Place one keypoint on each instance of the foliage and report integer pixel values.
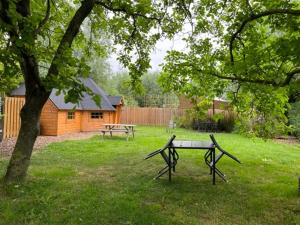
(120, 85)
(150, 93)
(244, 48)
(197, 113)
(186, 120)
(42, 33)
(226, 123)
(261, 113)
(47, 43)
(294, 117)
(105, 177)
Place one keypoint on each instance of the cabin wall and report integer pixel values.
(117, 114)
(91, 124)
(49, 119)
(66, 125)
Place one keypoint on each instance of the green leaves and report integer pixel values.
(254, 73)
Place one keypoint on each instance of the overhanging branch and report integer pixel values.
(71, 32)
(45, 19)
(289, 76)
(255, 17)
(123, 9)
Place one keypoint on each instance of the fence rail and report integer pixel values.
(149, 116)
(12, 121)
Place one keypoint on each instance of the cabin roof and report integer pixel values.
(86, 103)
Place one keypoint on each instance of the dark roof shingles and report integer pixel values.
(115, 100)
(86, 103)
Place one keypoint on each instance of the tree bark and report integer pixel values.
(35, 97)
(36, 94)
(30, 116)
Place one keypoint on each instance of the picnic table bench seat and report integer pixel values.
(114, 130)
(118, 128)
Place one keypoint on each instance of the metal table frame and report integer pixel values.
(210, 155)
(170, 155)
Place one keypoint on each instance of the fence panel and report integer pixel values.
(149, 115)
(12, 120)
(158, 116)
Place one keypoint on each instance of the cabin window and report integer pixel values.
(96, 115)
(71, 115)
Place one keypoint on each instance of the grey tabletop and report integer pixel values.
(185, 144)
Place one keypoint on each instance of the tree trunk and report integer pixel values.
(30, 116)
(36, 94)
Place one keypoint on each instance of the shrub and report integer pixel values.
(187, 120)
(226, 123)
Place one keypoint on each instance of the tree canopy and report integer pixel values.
(246, 49)
(46, 43)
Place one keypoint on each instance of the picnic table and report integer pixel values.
(111, 128)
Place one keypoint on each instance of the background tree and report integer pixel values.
(43, 41)
(246, 49)
(150, 93)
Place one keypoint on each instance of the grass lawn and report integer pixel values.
(108, 182)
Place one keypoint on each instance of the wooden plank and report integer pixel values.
(155, 116)
(12, 121)
(5, 119)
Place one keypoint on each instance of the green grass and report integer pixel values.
(108, 182)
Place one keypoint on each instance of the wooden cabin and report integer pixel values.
(59, 118)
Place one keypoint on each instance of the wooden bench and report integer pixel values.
(117, 130)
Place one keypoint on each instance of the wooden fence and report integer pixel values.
(159, 116)
(149, 116)
(12, 121)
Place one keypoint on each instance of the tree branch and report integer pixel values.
(45, 19)
(124, 10)
(257, 81)
(250, 7)
(290, 75)
(11, 28)
(255, 17)
(68, 37)
(23, 7)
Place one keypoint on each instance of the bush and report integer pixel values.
(187, 120)
(192, 118)
(294, 118)
(226, 123)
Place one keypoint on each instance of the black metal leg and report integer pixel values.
(210, 160)
(173, 161)
(213, 165)
(170, 164)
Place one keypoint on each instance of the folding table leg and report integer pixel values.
(210, 160)
(170, 164)
(214, 165)
(173, 156)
